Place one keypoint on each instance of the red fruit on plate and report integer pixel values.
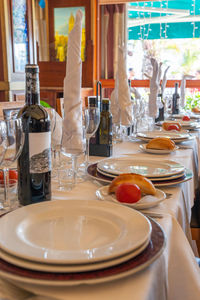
(128, 193)
(173, 127)
(13, 176)
(186, 118)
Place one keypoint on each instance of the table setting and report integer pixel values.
(85, 243)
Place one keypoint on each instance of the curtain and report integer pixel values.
(41, 32)
(112, 34)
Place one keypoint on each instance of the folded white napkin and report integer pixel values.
(154, 87)
(114, 107)
(72, 139)
(182, 88)
(123, 91)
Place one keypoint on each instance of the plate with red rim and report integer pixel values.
(20, 276)
(146, 201)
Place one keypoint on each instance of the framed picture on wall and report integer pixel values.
(61, 18)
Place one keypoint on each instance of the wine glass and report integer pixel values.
(3, 140)
(73, 145)
(93, 119)
(15, 142)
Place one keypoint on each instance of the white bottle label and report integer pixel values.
(40, 152)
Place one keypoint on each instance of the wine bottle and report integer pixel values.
(175, 100)
(105, 126)
(160, 105)
(93, 101)
(34, 163)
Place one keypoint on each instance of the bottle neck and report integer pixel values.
(105, 107)
(32, 88)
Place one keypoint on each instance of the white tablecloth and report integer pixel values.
(175, 274)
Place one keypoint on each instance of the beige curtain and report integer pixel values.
(113, 18)
(41, 31)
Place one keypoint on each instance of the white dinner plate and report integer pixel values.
(31, 265)
(157, 178)
(163, 133)
(146, 167)
(72, 231)
(147, 201)
(191, 116)
(157, 151)
(41, 282)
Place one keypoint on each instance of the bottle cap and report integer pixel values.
(93, 101)
(106, 101)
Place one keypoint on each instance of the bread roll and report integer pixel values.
(165, 125)
(196, 109)
(161, 143)
(144, 183)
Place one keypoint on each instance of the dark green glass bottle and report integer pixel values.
(105, 126)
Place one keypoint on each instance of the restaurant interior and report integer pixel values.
(113, 89)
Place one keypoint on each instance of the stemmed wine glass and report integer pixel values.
(14, 145)
(70, 147)
(92, 116)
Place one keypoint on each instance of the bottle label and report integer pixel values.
(40, 152)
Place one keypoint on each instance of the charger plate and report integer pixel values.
(72, 231)
(95, 175)
(19, 276)
(31, 265)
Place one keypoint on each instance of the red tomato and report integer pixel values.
(186, 118)
(128, 193)
(13, 176)
(173, 127)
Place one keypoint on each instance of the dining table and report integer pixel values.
(175, 274)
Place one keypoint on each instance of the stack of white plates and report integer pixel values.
(177, 137)
(161, 173)
(64, 239)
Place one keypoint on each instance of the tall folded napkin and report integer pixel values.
(123, 91)
(154, 87)
(182, 89)
(114, 107)
(72, 139)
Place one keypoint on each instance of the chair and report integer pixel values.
(195, 221)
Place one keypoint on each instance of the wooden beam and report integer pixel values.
(110, 83)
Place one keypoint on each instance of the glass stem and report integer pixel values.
(74, 168)
(87, 152)
(6, 182)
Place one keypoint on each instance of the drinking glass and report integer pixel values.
(69, 149)
(56, 136)
(3, 140)
(15, 142)
(93, 119)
